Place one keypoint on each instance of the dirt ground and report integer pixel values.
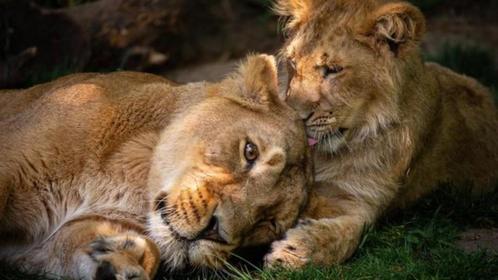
(473, 240)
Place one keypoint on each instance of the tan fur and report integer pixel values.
(390, 128)
(103, 175)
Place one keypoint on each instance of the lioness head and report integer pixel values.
(231, 171)
(348, 60)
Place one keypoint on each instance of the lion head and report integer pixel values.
(231, 171)
(348, 63)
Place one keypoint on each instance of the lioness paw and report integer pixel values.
(295, 250)
(107, 271)
(118, 257)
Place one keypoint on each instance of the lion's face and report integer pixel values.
(346, 62)
(232, 171)
(328, 87)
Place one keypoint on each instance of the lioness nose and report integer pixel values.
(211, 232)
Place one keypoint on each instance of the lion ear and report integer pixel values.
(396, 25)
(259, 77)
(298, 10)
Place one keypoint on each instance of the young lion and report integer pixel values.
(386, 128)
(102, 175)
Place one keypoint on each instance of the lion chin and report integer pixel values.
(178, 253)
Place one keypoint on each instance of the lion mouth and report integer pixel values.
(212, 233)
(312, 141)
(315, 138)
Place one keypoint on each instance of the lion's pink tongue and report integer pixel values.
(312, 142)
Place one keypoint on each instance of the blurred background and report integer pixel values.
(191, 40)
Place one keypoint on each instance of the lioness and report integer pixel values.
(386, 128)
(103, 175)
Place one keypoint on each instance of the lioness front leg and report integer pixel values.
(328, 233)
(99, 249)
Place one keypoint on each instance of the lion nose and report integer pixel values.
(212, 231)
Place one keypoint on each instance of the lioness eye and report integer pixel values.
(251, 152)
(330, 70)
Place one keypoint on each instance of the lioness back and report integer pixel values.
(84, 112)
(16, 100)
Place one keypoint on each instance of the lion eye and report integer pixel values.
(330, 70)
(251, 152)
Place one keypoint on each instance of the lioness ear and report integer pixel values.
(396, 25)
(259, 76)
(298, 10)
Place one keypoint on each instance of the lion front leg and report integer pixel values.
(328, 233)
(318, 242)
